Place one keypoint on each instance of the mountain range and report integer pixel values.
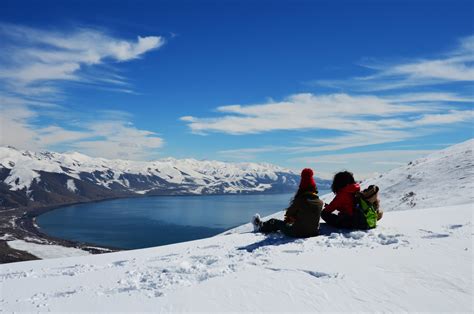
(34, 179)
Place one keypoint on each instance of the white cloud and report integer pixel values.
(457, 66)
(454, 67)
(323, 144)
(448, 69)
(358, 114)
(429, 97)
(453, 116)
(105, 134)
(352, 140)
(14, 127)
(119, 139)
(340, 112)
(39, 71)
(45, 55)
(32, 64)
(360, 122)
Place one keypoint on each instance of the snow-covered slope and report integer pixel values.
(416, 260)
(29, 178)
(442, 178)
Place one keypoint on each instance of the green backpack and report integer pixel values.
(365, 212)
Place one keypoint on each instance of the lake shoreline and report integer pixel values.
(20, 224)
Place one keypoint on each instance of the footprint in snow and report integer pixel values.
(356, 235)
(214, 246)
(120, 263)
(316, 274)
(15, 275)
(205, 259)
(433, 235)
(389, 239)
(363, 239)
(292, 251)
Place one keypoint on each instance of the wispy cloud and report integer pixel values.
(33, 65)
(119, 139)
(355, 129)
(364, 120)
(456, 66)
(35, 56)
(108, 134)
(323, 144)
(340, 112)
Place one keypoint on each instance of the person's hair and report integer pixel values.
(301, 191)
(342, 179)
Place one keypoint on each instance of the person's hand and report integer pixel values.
(289, 219)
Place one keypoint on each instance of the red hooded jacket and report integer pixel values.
(344, 200)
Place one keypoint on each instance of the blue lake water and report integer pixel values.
(151, 221)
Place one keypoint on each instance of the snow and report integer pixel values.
(23, 176)
(71, 186)
(45, 251)
(417, 260)
(25, 166)
(442, 178)
(6, 236)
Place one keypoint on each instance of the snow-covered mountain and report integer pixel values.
(445, 177)
(417, 260)
(47, 178)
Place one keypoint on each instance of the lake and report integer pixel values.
(151, 221)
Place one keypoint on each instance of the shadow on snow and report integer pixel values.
(277, 238)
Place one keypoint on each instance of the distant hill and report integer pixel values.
(445, 177)
(48, 178)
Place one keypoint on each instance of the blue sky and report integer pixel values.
(358, 85)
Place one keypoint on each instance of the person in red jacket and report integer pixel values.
(345, 188)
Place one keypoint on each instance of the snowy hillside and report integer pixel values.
(417, 260)
(29, 178)
(442, 178)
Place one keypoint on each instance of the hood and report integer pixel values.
(351, 188)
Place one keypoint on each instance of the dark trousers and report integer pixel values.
(274, 225)
(338, 221)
